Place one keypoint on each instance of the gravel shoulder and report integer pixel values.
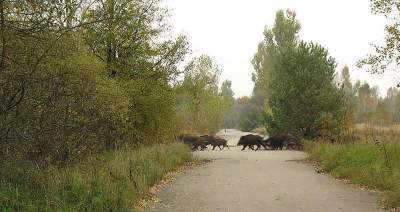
(259, 181)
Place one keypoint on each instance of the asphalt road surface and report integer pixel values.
(259, 181)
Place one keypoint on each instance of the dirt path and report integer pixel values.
(259, 181)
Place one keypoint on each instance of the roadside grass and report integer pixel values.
(371, 165)
(115, 181)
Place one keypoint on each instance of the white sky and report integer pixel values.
(230, 30)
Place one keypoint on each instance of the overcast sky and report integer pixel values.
(229, 31)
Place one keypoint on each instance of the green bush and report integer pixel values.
(114, 183)
(375, 166)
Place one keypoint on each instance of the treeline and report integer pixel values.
(81, 77)
(368, 106)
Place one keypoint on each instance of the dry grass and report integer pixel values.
(371, 134)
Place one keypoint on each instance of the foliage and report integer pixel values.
(244, 115)
(294, 82)
(131, 42)
(248, 114)
(201, 106)
(81, 77)
(114, 181)
(387, 55)
(349, 96)
(283, 33)
(304, 99)
(131, 39)
(228, 100)
(366, 164)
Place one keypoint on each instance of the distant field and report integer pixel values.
(395, 128)
(371, 133)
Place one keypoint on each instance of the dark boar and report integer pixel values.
(193, 141)
(281, 140)
(251, 141)
(199, 142)
(209, 138)
(215, 141)
(273, 143)
(220, 142)
(188, 139)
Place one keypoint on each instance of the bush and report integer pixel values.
(113, 183)
(375, 166)
(63, 119)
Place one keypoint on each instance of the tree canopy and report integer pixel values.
(387, 55)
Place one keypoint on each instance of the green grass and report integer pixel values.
(363, 164)
(113, 183)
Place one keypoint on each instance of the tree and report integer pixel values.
(346, 79)
(366, 102)
(227, 100)
(349, 96)
(130, 39)
(389, 53)
(227, 93)
(283, 33)
(200, 107)
(393, 100)
(304, 98)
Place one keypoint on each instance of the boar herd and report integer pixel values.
(277, 142)
(253, 142)
(195, 142)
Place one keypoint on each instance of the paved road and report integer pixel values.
(251, 181)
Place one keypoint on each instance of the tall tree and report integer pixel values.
(131, 40)
(228, 100)
(346, 78)
(349, 96)
(304, 99)
(366, 102)
(283, 33)
(227, 94)
(200, 106)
